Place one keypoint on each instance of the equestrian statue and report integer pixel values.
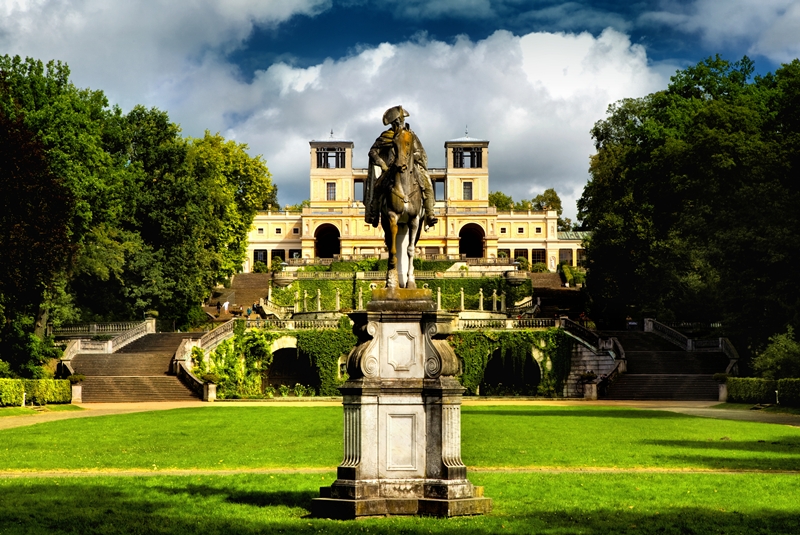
(398, 194)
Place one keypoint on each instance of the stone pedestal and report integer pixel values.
(402, 417)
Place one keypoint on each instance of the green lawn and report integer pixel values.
(30, 411)
(497, 442)
(294, 437)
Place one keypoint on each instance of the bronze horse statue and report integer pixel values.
(401, 212)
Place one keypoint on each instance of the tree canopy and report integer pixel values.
(693, 201)
(548, 200)
(108, 214)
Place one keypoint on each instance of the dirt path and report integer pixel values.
(244, 471)
(693, 408)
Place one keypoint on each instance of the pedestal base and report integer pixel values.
(349, 509)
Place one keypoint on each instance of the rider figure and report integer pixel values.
(382, 155)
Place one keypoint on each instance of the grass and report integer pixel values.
(499, 443)
(523, 503)
(219, 437)
(30, 411)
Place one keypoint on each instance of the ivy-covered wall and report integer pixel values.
(239, 364)
(476, 348)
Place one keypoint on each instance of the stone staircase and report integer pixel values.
(246, 289)
(658, 370)
(137, 372)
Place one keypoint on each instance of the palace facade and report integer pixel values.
(333, 225)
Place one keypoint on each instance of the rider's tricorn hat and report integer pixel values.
(393, 113)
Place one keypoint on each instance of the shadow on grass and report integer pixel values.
(130, 506)
(790, 445)
(580, 413)
(254, 498)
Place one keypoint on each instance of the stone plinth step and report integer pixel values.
(342, 509)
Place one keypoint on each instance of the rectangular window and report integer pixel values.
(520, 230)
(467, 157)
(503, 253)
(295, 230)
(520, 253)
(538, 230)
(331, 186)
(279, 253)
(278, 231)
(330, 158)
(565, 255)
(295, 253)
(261, 230)
(503, 230)
(438, 189)
(582, 257)
(260, 255)
(538, 256)
(467, 191)
(358, 190)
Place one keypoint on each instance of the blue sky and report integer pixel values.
(531, 76)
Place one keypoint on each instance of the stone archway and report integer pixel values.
(505, 375)
(327, 241)
(471, 241)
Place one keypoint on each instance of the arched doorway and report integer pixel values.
(326, 241)
(289, 368)
(508, 376)
(471, 241)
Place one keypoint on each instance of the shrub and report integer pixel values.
(269, 392)
(751, 390)
(11, 391)
(781, 358)
(76, 378)
(260, 267)
(299, 390)
(539, 267)
(38, 391)
(721, 378)
(210, 377)
(284, 390)
(789, 392)
(524, 265)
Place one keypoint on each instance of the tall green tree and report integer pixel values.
(692, 201)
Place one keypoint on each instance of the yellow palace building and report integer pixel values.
(333, 226)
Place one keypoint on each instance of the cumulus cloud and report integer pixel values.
(534, 96)
(766, 27)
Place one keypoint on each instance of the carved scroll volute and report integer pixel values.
(439, 356)
(363, 361)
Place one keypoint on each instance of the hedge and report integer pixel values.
(39, 391)
(789, 392)
(751, 390)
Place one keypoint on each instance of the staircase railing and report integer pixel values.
(109, 346)
(212, 339)
(506, 324)
(280, 311)
(92, 329)
(717, 345)
(579, 331)
(146, 327)
(667, 333)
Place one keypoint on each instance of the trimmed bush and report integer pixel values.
(751, 390)
(11, 392)
(39, 391)
(789, 392)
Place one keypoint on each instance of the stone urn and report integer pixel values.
(516, 278)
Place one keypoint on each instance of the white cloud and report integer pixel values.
(535, 96)
(766, 27)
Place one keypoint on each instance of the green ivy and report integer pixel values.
(475, 349)
(325, 348)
